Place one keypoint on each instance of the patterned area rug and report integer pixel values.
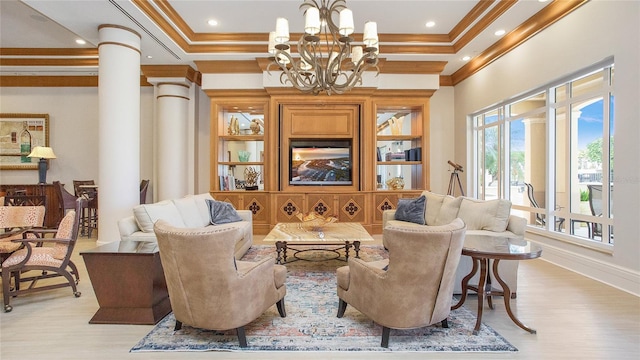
(311, 323)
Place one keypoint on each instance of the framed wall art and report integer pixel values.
(19, 134)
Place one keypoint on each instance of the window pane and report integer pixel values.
(587, 140)
(517, 161)
(587, 84)
(528, 104)
(491, 117)
(491, 159)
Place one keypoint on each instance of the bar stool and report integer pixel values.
(89, 216)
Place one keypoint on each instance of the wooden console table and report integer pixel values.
(129, 283)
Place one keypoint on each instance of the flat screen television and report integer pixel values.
(320, 162)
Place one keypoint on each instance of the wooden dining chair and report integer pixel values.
(52, 260)
(89, 216)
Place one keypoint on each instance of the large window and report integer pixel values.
(550, 152)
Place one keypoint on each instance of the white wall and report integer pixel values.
(597, 30)
(203, 134)
(73, 133)
(441, 140)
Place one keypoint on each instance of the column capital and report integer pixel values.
(118, 35)
(176, 74)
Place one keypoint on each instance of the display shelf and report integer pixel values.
(240, 129)
(399, 155)
(241, 163)
(242, 137)
(399, 162)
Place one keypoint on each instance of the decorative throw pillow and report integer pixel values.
(411, 210)
(222, 212)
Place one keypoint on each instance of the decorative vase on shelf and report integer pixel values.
(243, 155)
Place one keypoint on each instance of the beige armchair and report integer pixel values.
(414, 287)
(208, 288)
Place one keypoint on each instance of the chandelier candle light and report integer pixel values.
(333, 65)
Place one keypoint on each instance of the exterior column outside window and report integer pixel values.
(171, 146)
(535, 171)
(119, 127)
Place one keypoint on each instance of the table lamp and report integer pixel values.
(43, 153)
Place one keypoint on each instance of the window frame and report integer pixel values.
(605, 91)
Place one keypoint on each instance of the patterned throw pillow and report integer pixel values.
(222, 212)
(412, 210)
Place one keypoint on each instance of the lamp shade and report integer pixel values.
(312, 21)
(42, 152)
(346, 22)
(282, 31)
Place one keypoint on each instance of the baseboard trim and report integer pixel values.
(620, 278)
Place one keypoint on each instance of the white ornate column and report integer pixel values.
(119, 127)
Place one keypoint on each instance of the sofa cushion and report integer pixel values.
(434, 203)
(492, 215)
(437, 203)
(189, 212)
(222, 212)
(203, 207)
(448, 210)
(411, 210)
(146, 215)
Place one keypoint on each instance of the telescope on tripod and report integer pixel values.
(455, 179)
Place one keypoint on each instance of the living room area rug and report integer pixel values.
(312, 325)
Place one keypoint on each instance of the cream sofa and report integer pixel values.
(188, 212)
(490, 217)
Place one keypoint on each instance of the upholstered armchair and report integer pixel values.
(48, 257)
(208, 288)
(414, 287)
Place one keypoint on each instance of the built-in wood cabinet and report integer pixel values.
(387, 134)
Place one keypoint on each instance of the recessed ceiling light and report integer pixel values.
(430, 24)
(500, 32)
(80, 42)
(466, 58)
(149, 57)
(212, 22)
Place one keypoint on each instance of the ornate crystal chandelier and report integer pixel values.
(328, 61)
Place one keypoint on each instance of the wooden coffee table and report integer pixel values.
(129, 283)
(295, 235)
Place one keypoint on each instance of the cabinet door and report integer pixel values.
(287, 206)
(352, 208)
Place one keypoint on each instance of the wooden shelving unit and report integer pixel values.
(291, 116)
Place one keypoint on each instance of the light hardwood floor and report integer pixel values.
(576, 318)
